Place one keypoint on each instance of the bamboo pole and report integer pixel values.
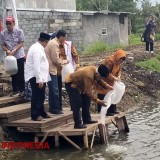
(45, 137)
(85, 139)
(67, 139)
(93, 136)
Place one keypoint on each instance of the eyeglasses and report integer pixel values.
(8, 23)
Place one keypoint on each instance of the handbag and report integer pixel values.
(152, 37)
(142, 39)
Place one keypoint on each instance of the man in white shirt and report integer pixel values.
(37, 73)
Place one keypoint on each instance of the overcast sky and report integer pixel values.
(154, 1)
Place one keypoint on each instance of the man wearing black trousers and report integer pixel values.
(37, 73)
(81, 89)
(12, 40)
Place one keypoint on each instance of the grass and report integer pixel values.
(100, 46)
(152, 64)
(135, 39)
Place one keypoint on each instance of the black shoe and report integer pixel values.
(39, 118)
(90, 122)
(48, 116)
(57, 112)
(21, 94)
(80, 126)
(110, 114)
(115, 112)
(14, 94)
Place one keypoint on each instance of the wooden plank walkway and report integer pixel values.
(27, 125)
(61, 125)
(8, 100)
(68, 130)
(15, 112)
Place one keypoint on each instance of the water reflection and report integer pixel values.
(141, 143)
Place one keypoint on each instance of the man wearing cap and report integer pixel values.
(37, 73)
(12, 40)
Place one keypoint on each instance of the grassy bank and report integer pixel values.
(100, 46)
(152, 64)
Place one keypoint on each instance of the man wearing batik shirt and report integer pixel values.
(11, 40)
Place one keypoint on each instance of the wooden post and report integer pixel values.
(71, 142)
(120, 125)
(93, 136)
(45, 137)
(102, 133)
(85, 139)
(56, 136)
(125, 124)
(36, 139)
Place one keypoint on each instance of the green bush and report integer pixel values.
(157, 36)
(135, 39)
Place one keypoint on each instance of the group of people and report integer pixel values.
(44, 62)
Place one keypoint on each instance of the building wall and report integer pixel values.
(115, 32)
(45, 4)
(81, 29)
(34, 22)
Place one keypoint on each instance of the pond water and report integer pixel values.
(141, 143)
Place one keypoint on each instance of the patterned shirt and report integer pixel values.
(12, 39)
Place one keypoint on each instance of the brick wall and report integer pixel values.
(34, 22)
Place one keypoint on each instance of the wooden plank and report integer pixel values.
(27, 122)
(15, 117)
(85, 139)
(71, 142)
(68, 130)
(8, 99)
(101, 132)
(121, 114)
(29, 130)
(44, 129)
(125, 124)
(93, 137)
(120, 124)
(16, 110)
(56, 139)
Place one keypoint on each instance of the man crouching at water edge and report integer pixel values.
(81, 88)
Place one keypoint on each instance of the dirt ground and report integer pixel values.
(141, 85)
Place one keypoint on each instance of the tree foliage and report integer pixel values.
(141, 9)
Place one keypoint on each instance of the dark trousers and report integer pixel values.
(111, 109)
(37, 100)
(60, 89)
(18, 83)
(54, 99)
(149, 46)
(77, 101)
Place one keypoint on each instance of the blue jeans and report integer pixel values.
(54, 99)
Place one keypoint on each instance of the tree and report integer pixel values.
(92, 5)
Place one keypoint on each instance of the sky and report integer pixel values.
(154, 1)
